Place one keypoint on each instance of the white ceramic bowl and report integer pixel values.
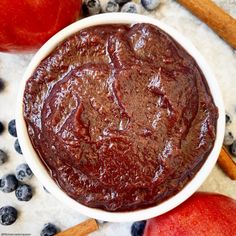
(40, 171)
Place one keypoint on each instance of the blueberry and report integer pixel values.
(110, 6)
(2, 85)
(1, 127)
(8, 183)
(228, 119)
(17, 146)
(131, 7)
(49, 230)
(228, 138)
(137, 228)
(12, 128)
(8, 215)
(92, 7)
(23, 172)
(150, 4)
(3, 157)
(23, 192)
(233, 148)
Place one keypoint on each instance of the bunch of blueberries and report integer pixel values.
(93, 7)
(16, 182)
(23, 192)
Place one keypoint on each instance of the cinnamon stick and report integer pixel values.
(227, 164)
(81, 229)
(222, 23)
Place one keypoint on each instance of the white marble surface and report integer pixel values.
(44, 207)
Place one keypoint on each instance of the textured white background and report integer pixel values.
(44, 207)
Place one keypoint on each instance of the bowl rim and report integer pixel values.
(38, 167)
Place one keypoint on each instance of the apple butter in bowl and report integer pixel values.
(121, 116)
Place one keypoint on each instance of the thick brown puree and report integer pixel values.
(121, 116)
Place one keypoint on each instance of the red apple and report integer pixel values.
(202, 214)
(26, 24)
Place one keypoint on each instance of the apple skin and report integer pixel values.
(203, 214)
(26, 24)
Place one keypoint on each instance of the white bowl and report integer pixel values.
(39, 169)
